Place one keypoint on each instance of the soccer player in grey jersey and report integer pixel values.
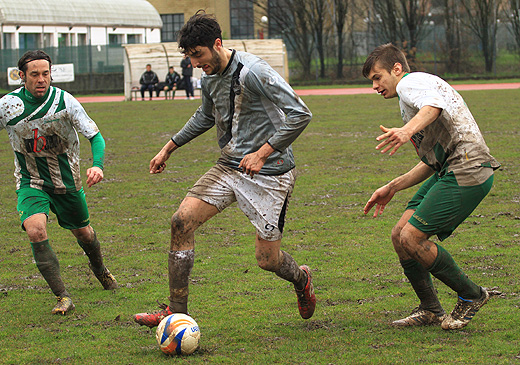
(456, 161)
(257, 116)
(42, 122)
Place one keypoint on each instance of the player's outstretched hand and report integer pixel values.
(94, 175)
(380, 198)
(157, 164)
(393, 138)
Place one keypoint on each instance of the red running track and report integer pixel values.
(305, 92)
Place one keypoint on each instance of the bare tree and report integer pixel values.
(482, 20)
(413, 15)
(453, 45)
(316, 9)
(386, 16)
(514, 16)
(340, 8)
(402, 23)
(290, 20)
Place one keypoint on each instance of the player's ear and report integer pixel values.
(22, 75)
(217, 44)
(397, 68)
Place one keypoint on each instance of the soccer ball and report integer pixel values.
(178, 334)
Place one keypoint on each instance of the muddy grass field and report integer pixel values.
(247, 315)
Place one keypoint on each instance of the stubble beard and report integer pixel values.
(216, 62)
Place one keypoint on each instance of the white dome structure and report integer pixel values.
(54, 23)
(110, 13)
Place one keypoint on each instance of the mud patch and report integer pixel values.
(318, 325)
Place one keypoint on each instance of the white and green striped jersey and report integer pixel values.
(43, 135)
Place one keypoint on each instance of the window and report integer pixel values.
(63, 40)
(242, 19)
(172, 23)
(115, 39)
(133, 38)
(48, 40)
(82, 39)
(29, 40)
(8, 40)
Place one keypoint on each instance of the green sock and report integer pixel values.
(49, 267)
(422, 284)
(446, 270)
(93, 251)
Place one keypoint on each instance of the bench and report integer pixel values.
(134, 93)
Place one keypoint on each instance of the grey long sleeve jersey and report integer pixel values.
(250, 104)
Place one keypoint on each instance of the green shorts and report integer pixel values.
(70, 208)
(441, 204)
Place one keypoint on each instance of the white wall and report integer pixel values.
(99, 35)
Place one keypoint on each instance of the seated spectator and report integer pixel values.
(148, 81)
(172, 79)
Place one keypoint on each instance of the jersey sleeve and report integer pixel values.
(419, 92)
(3, 122)
(79, 117)
(97, 145)
(202, 120)
(265, 81)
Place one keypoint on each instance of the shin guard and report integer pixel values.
(446, 270)
(180, 264)
(290, 271)
(49, 267)
(93, 251)
(422, 284)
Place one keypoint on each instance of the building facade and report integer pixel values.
(239, 19)
(27, 24)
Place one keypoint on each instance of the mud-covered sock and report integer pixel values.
(446, 270)
(290, 271)
(180, 264)
(422, 284)
(49, 267)
(93, 252)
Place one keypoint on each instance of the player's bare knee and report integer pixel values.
(179, 225)
(85, 234)
(408, 241)
(396, 234)
(36, 234)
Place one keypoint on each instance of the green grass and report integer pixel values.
(247, 315)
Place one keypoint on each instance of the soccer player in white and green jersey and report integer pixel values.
(42, 122)
(458, 169)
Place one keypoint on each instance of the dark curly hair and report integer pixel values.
(200, 30)
(32, 56)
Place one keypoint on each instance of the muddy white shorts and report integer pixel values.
(262, 198)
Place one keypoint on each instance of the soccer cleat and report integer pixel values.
(63, 306)
(464, 311)
(105, 278)
(153, 319)
(419, 317)
(306, 297)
